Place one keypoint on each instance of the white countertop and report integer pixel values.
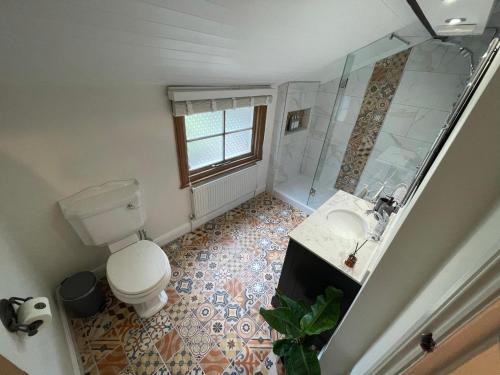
(317, 235)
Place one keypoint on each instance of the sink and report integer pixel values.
(348, 224)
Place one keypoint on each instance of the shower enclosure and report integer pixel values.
(367, 131)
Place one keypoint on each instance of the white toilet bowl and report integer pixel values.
(138, 274)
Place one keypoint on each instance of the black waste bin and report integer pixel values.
(81, 295)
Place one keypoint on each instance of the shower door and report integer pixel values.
(349, 99)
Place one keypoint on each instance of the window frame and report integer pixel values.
(225, 166)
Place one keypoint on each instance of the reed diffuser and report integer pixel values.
(352, 259)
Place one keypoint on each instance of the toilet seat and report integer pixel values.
(138, 269)
(137, 299)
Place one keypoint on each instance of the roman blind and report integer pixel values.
(191, 100)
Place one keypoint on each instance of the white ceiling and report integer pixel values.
(186, 41)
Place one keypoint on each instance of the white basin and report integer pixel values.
(348, 224)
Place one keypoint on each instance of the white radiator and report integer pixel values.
(222, 192)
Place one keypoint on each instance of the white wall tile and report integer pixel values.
(427, 124)
(330, 86)
(453, 62)
(429, 90)
(426, 57)
(399, 119)
(304, 86)
(324, 104)
(341, 133)
(319, 124)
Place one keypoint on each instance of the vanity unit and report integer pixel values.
(318, 248)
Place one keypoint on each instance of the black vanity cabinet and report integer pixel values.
(305, 276)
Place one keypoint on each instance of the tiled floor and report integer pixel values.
(222, 273)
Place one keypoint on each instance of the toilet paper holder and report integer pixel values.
(8, 315)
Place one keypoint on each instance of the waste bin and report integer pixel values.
(81, 295)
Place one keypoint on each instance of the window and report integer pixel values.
(212, 143)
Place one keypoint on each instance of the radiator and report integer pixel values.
(213, 195)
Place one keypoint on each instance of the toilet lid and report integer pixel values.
(137, 268)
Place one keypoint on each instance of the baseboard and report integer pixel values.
(75, 363)
(173, 234)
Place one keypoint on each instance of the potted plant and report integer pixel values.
(299, 323)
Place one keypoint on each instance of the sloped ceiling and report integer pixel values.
(186, 41)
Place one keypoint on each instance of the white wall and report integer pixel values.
(56, 140)
(46, 352)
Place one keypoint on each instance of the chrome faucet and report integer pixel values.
(382, 221)
(383, 208)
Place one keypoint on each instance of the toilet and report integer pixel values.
(112, 214)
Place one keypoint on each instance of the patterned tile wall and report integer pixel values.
(222, 273)
(378, 96)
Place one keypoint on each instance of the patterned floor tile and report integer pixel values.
(196, 370)
(214, 362)
(163, 371)
(234, 287)
(181, 362)
(218, 326)
(196, 298)
(246, 361)
(113, 363)
(184, 285)
(148, 363)
(158, 325)
(200, 344)
(104, 345)
(178, 311)
(172, 295)
(127, 371)
(222, 273)
(245, 327)
(233, 312)
(189, 326)
(205, 312)
(273, 365)
(219, 298)
(169, 345)
(231, 344)
(231, 370)
(87, 359)
(92, 371)
(136, 341)
(246, 299)
(254, 313)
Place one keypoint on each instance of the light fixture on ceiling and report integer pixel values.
(454, 21)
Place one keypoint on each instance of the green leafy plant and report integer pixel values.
(299, 323)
